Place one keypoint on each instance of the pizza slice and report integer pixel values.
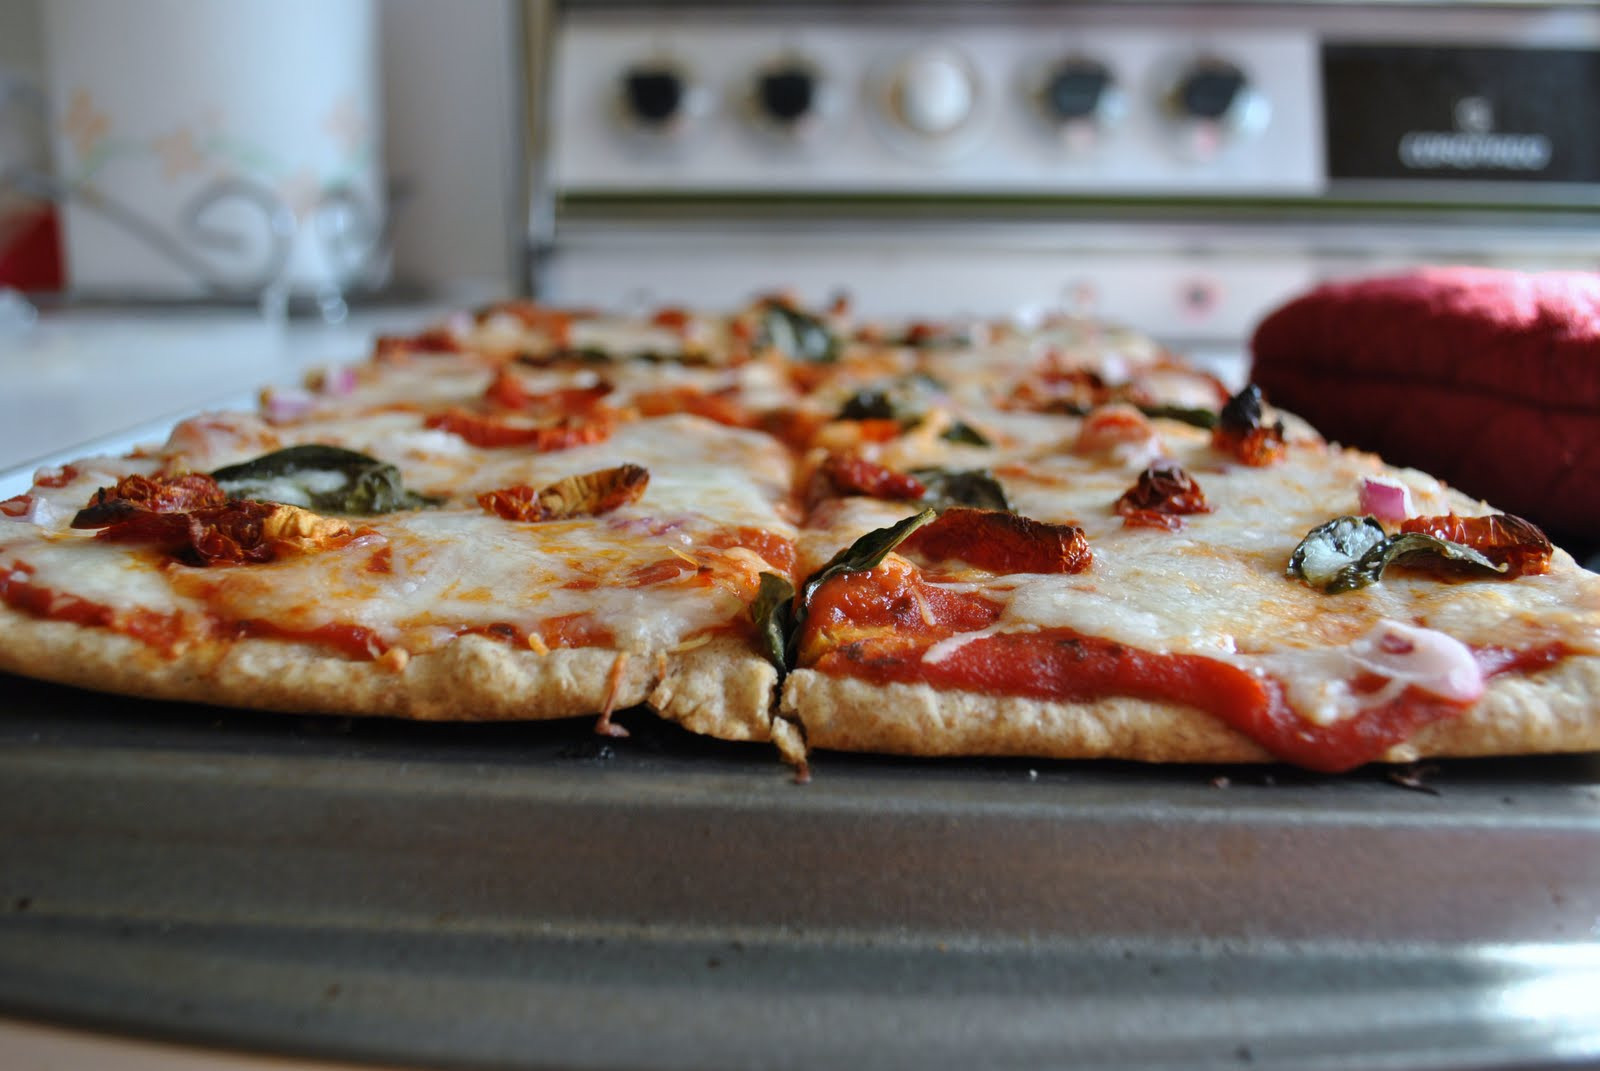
(460, 540)
(1147, 589)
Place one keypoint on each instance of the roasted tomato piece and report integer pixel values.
(507, 391)
(1243, 432)
(554, 323)
(490, 432)
(1162, 493)
(586, 495)
(1502, 538)
(150, 494)
(719, 408)
(241, 531)
(852, 474)
(398, 347)
(1113, 428)
(1002, 542)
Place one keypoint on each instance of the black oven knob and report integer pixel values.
(653, 95)
(1077, 91)
(1212, 104)
(786, 94)
(1210, 91)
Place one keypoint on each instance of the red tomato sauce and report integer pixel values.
(161, 631)
(877, 626)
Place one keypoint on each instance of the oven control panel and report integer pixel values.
(704, 103)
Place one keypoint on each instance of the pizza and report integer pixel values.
(784, 524)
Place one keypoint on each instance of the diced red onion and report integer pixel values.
(339, 381)
(1428, 660)
(286, 404)
(1386, 499)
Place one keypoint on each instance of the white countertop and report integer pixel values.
(83, 376)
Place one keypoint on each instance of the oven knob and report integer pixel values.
(1209, 90)
(786, 94)
(653, 95)
(1212, 101)
(934, 93)
(1079, 91)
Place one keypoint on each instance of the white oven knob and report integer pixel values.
(934, 93)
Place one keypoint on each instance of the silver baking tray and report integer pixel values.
(531, 896)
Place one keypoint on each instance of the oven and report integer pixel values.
(1179, 167)
(510, 896)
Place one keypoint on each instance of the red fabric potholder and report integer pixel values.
(1488, 379)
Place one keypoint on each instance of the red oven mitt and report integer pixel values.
(1488, 379)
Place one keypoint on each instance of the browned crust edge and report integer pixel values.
(1552, 711)
(720, 689)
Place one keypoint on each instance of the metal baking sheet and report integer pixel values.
(530, 896)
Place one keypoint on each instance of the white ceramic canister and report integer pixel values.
(215, 144)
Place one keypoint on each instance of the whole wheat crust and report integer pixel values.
(1545, 712)
(719, 688)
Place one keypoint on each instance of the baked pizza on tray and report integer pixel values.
(780, 524)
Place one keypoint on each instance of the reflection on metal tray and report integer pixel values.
(530, 896)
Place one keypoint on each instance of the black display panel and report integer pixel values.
(1514, 115)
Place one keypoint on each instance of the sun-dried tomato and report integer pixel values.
(392, 348)
(587, 495)
(1243, 432)
(852, 474)
(719, 408)
(507, 391)
(1002, 542)
(1159, 496)
(150, 494)
(491, 432)
(1502, 538)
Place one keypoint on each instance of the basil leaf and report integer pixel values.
(797, 335)
(1199, 418)
(1401, 548)
(865, 553)
(868, 403)
(859, 557)
(964, 433)
(1329, 549)
(773, 614)
(1349, 553)
(321, 477)
(969, 487)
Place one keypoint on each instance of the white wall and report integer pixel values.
(450, 85)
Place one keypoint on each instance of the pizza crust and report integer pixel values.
(1548, 712)
(717, 689)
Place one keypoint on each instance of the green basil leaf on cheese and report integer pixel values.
(1329, 549)
(1349, 553)
(869, 403)
(861, 556)
(321, 477)
(964, 433)
(865, 553)
(968, 487)
(1199, 418)
(773, 614)
(797, 335)
(1414, 549)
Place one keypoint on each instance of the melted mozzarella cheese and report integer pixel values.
(453, 569)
